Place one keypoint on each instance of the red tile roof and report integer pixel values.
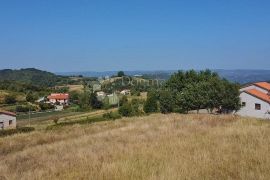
(259, 94)
(59, 96)
(7, 113)
(263, 85)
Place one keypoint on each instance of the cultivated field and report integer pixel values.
(152, 147)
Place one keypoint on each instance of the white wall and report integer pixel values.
(5, 119)
(249, 109)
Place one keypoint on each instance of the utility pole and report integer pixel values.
(29, 114)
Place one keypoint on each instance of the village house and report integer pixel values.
(7, 120)
(59, 98)
(125, 92)
(255, 100)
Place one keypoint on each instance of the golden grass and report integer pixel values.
(154, 147)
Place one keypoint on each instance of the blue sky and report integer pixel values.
(99, 35)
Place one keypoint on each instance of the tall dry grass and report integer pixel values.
(154, 147)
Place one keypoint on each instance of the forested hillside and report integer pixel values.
(31, 76)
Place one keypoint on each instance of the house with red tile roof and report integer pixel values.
(255, 99)
(7, 120)
(59, 98)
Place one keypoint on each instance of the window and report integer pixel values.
(10, 122)
(257, 106)
(243, 104)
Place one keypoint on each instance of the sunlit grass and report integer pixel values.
(152, 147)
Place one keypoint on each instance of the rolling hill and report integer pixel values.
(31, 76)
(238, 75)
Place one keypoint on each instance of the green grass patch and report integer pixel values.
(88, 120)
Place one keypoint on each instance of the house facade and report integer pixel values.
(7, 120)
(62, 99)
(255, 100)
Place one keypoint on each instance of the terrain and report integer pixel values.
(32, 76)
(237, 75)
(150, 147)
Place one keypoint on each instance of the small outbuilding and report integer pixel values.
(7, 120)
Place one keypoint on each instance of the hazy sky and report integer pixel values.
(98, 35)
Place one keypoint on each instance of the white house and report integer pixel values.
(125, 92)
(62, 99)
(255, 100)
(7, 120)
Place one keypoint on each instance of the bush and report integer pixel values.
(46, 106)
(10, 99)
(151, 104)
(126, 110)
(22, 108)
(131, 109)
(112, 115)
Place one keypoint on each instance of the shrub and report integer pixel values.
(23, 108)
(126, 110)
(10, 99)
(151, 104)
(112, 115)
(46, 106)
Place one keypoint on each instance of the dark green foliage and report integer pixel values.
(126, 110)
(112, 115)
(84, 100)
(132, 108)
(25, 108)
(62, 90)
(231, 99)
(123, 100)
(167, 102)
(10, 99)
(15, 131)
(46, 106)
(31, 76)
(151, 104)
(193, 90)
(94, 102)
(31, 97)
(74, 97)
(121, 74)
(135, 92)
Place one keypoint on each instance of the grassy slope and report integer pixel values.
(153, 147)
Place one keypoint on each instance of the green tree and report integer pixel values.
(121, 74)
(84, 100)
(10, 99)
(167, 101)
(94, 102)
(126, 110)
(151, 104)
(31, 97)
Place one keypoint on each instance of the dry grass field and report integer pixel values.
(152, 147)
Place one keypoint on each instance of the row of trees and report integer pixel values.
(191, 90)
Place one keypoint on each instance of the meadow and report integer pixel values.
(158, 146)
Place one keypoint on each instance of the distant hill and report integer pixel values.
(240, 76)
(31, 76)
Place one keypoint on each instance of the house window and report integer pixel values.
(243, 104)
(257, 106)
(10, 122)
(1, 125)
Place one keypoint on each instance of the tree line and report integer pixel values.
(191, 90)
